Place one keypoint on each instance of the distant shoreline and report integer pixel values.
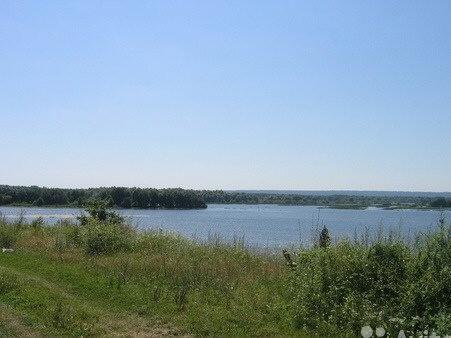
(180, 199)
(336, 207)
(374, 193)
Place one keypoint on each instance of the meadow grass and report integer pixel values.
(105, 278)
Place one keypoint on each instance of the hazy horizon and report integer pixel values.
(226, 95)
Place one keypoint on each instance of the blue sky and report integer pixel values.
(226, 94)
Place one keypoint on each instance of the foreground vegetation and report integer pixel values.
(101, 277)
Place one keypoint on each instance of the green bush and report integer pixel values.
(386, 274)
(106, 238)
(73, 235)
(99, 231)
(97, 210)
(327, 285)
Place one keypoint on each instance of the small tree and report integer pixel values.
(97, 210)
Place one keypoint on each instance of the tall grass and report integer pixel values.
(8, 236)
(340, 288)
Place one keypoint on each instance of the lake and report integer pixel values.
(259, 225)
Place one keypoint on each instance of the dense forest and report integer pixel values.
(118, 197)
(121, 197)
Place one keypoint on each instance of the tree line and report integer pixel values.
(119, 197)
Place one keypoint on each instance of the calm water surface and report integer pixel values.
(259, 225)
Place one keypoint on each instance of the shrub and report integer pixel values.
(73, 235)
(106, 238)
(101, 231)
(341, 288)
(97, 211)
(386, 274)
(327, 285)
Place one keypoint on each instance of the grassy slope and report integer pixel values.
(46, 295)
(165, 282)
